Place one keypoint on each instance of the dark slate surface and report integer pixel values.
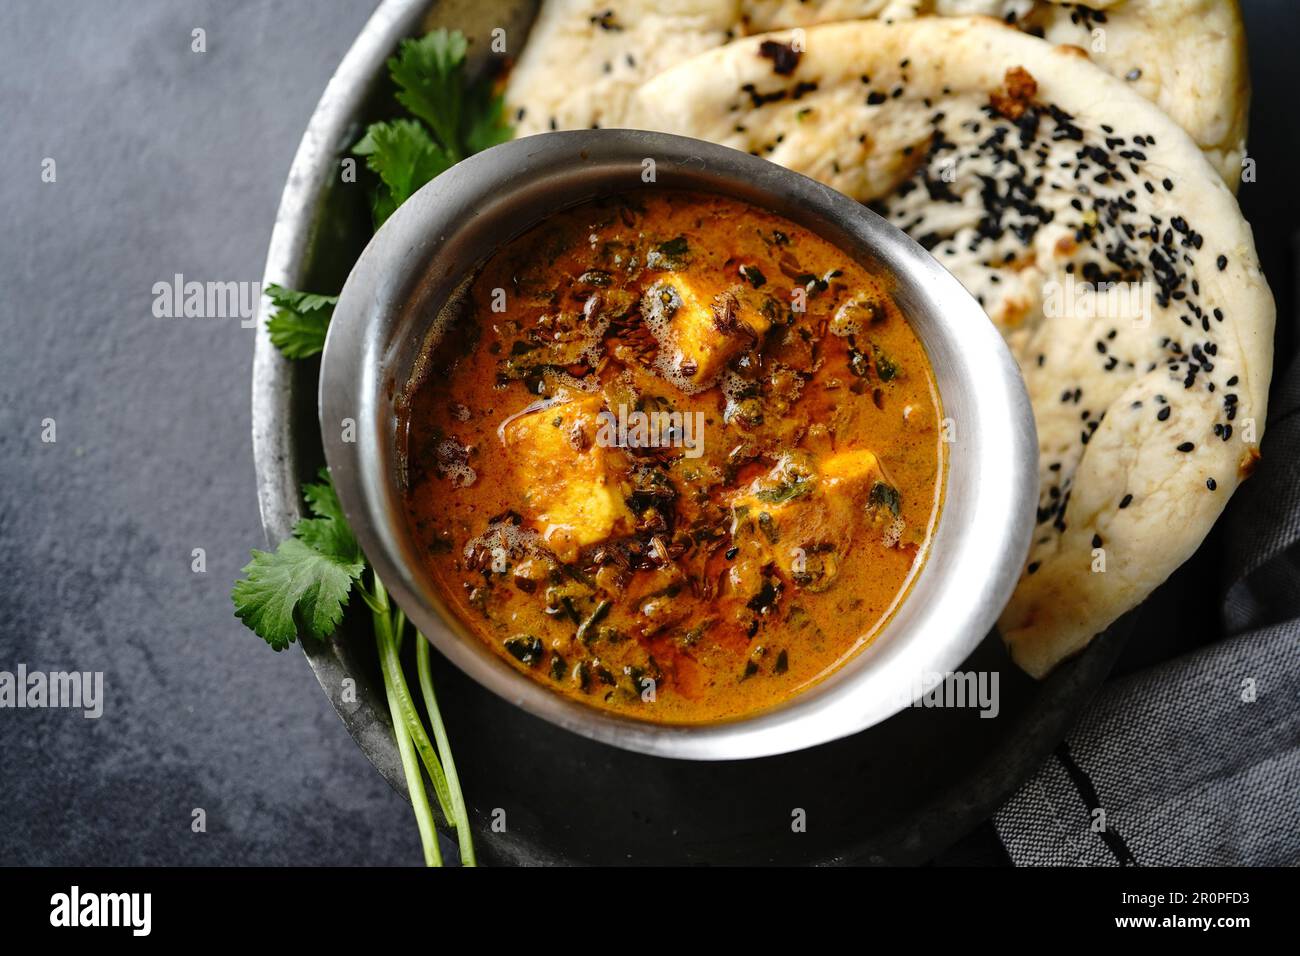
(170, 161)
(167, 161)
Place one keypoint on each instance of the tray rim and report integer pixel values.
(274, 377)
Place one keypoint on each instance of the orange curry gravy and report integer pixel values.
(675, 456)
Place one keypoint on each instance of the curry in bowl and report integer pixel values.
(673, 455)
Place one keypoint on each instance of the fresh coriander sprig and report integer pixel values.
(459, 119)
(430, 76)
(304, 585)
(430, 83)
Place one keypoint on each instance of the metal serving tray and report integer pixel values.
(898, 793)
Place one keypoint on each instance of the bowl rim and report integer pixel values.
(978, 547)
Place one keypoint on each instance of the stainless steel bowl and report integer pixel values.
(414, 265)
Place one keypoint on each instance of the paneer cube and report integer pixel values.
(849, 475)
(571, 489)
(796, 484)
(699, 329)
(800, 516)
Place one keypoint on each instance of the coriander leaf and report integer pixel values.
(298, 327)
(405, 157)
(430, 83)
(485, 125)
(303, 302)
(328, 533)
(298, 336)
(293, 585)
(322, 499)
(306, 581)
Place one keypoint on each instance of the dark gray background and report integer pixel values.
(171, 161)
(168, 161)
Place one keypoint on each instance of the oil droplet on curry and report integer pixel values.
(674, 456)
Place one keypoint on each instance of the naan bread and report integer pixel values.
(584, 57)
(1027, 169)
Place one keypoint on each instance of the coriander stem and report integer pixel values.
(399, 627)
(459, 811)
(410, 764)
(395, 682)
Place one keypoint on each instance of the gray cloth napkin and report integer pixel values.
(1195, 761)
